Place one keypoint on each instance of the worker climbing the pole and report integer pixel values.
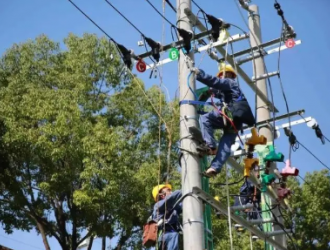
(230, 115)
(166, 212)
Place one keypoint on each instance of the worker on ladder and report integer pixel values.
(166, 212)
(232, 112)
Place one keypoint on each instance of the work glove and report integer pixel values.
(195, 70)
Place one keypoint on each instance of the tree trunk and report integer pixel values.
(43, 235)
(122, 240)
(90, 244)
(104, 241)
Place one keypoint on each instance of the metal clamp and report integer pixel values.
(190, 221)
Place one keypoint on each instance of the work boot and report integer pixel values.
(206, 150)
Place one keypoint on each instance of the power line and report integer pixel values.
(125, 18)
(153, 6)
(198, 6)
(90, 19)
(172, 7)
(124, 53)
(326, 138)
(313, 155)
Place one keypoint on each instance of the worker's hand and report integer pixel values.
(195, 70)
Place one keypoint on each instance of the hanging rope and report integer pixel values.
(229, 210)
(251, 245)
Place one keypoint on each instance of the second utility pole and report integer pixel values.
(263, 112)
(193, 224)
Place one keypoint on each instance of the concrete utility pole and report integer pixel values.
(263, 113)
(193, 224)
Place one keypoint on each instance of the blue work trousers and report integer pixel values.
(171, 241)
(209, 122)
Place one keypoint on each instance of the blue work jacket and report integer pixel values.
(172, 213)
(228, 91)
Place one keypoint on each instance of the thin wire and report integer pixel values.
(253, 58)
(198, 6)
(163, 16)
(229, 210)
(172, 7)
(21, 242)
(282, 227)
(326, 138)
(125, 18)
(90, 19)
(251, 245)
(159, 160)
(281, 84)
(313, 155)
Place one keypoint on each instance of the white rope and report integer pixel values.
(251, 244)
(229, 210)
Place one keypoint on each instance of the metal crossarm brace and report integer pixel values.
(260, 221)
(223, 209)
(264, 76)
(285, 125)
(230, 60)
(278, 118)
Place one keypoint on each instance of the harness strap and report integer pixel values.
(191, 102)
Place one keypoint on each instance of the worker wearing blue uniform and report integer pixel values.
(168, 204)
(225, 88)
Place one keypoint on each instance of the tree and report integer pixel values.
(310, 217)
(78, 142)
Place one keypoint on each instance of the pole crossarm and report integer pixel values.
(175, 44)
(278, 118)
(231, 61)
(285, 125)
(262, 53)
(223, 209)
(231, 39)
(263, 46)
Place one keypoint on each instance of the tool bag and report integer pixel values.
(149, 237)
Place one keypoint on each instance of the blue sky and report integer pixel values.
(303, 69)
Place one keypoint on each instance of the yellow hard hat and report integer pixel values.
(226, 68)
(157, 188)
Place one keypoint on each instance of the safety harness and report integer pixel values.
(224, 111)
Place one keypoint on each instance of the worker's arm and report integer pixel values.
(168, 202)
(212, 81)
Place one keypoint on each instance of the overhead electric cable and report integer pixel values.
(90, 19)
(125, 18)
(313, 155)
(172, 7)
(163, 16)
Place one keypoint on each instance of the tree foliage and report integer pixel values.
(79, 143)
(310, 217)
